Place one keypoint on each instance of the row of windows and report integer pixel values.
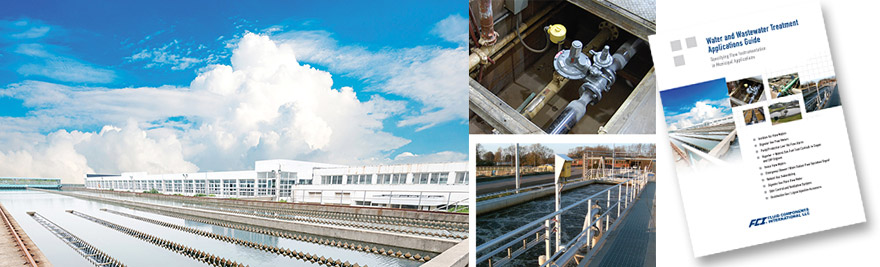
(242, 187)
(264, 187)
(396, 178)
(274, 174)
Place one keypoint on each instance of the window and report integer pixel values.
(188, 185)
(383, 178)
(230, 188)
(360, 179)
(214, 187)
(200, 186)
(391, 178)
(461, 177)
(178, 186)
(421, 178)
(331, 179)
(288, 179)
(246, 187)
(270, 174)
(442, 179)
(430, 178)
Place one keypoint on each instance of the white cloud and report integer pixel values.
(432, 76)
(169, 55)
(59, 67)
(24, 29)
(31, 33)
(444, 156)
(452, 29)
(703, 110)
(265, 104)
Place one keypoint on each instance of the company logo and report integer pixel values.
(779, 217)
(758, 221)
(676, 46)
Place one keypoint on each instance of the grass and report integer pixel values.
(460, 209)
(152, 191)
(787, 119)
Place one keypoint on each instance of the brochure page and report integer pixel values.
(753, 114)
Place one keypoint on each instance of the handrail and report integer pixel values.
(529, 228)
(606, 173)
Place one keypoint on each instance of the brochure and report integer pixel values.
(757, 130)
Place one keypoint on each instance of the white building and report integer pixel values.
(415, 186)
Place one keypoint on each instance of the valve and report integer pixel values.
(557, 33)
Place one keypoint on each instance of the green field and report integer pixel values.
(787, 119)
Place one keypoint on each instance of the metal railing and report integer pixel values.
(493, 171)
(592, 174)
(598, 220)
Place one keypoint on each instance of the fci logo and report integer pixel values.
(758, 221)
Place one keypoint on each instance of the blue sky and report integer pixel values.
(399, 59)
(692, 104)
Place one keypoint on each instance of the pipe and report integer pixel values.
(595, 84)
(537, 103)
(481, 55)
(572, 113)
(488, 36)
(527, 47)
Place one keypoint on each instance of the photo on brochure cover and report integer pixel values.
(699, 121)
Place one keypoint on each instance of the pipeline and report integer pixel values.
(276, 250)
(480, 56)
(488, 36)
(24, 250)
(787, 87)
(198, 255)
(597, 77)
(91, 253)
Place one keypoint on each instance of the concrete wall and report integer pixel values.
(457, 256)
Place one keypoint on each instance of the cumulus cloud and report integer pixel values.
(265, 104)
(65, 155)
(430, 75)
(702, 111)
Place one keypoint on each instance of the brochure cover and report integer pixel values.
(756, 126)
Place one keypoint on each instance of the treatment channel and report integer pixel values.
(85, 227)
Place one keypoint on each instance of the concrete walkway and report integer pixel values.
(10, 254)
(633, 243)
